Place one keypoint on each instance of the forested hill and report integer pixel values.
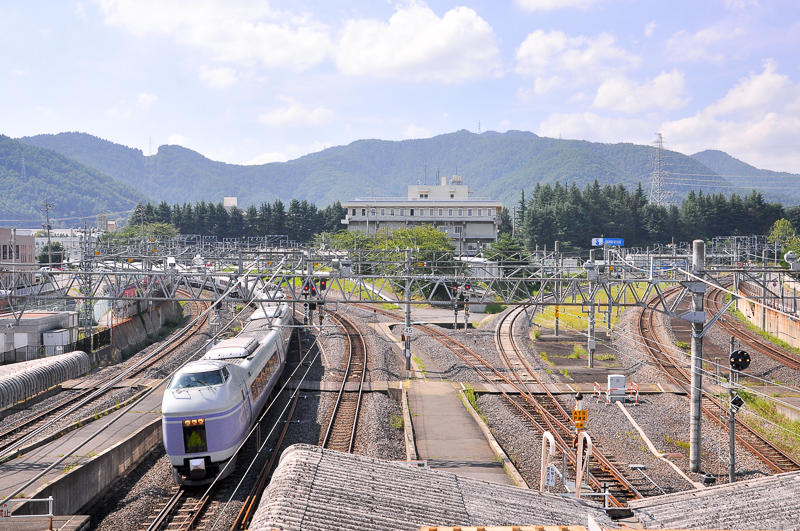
(78, 192)
(776, 185)
(498, 165)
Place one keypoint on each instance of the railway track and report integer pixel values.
(716, 301)
(771, 455)
(547, 414)
(26, 431)
(341, 432)
(601, 470)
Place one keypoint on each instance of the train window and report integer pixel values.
(197, 379)
(225, 373)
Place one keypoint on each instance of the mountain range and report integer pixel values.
(497, 165)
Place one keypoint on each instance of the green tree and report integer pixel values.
(58, 254)
(783, 232)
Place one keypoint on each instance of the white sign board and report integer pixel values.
(5, 512)
(408, 331)
(550, 476)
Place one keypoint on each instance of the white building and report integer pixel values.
(471, 222)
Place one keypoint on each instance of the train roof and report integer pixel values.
(237, 347)
(268, 311)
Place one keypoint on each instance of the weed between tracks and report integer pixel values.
(577, 352)
(396, 421)
(783, 431)
(469, 392)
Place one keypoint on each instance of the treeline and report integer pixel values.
(299, 222)
(574, 216)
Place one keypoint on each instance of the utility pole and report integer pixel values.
(47, 206)
(591, 275)
(558, 286)
(697, 318)
(407, 335)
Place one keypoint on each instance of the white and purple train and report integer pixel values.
(211, 404)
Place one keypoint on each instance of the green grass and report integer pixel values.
(605, 357)
(683, 345)
(472, 398)
(389, 306)
(536, 334)
(544, 357)
(495, 308)
(577, 352)
(680, 444)
(396, 421)
(565, 372)
(766, 335)
(756, 406)
(420, 364)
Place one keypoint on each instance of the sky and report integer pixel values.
(255, 81)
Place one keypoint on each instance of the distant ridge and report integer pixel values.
(744, 176)
(493, 164)
(78, 192)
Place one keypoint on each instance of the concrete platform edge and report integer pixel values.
(80, 486)
(508, 466)
(408, 430)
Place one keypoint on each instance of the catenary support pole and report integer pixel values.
(698, 291)
(407, 343)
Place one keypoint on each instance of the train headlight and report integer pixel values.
(187, 422)
(201, 421)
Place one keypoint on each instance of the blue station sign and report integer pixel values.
(614, 242)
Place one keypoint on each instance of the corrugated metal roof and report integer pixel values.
(767, 503)
(314, 489)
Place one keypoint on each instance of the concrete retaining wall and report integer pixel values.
(784, 328)
(81, 485)
(133, 334)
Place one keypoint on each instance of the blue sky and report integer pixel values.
(254, 81)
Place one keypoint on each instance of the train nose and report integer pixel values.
(197, 468)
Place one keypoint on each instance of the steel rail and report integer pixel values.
(713, 408)
(356, 349)
(158, 354)
(549, 419)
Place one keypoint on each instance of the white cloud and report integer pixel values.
(295, 114)
(664, 91)
(708, 44)
(650, 29)
(596, 128)
(243, 32)
(751, 122)
(176, 139)
(120, 111)
(550, 5)
(413, 131)
(219, 77)
(551, 56)
(416, 44)
(145, 100)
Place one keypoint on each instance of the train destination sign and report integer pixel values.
(614, 242)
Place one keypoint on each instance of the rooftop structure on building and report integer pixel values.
(229, 202)
(471, 222)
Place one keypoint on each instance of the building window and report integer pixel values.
(450, 212)
(383, 212)
(410, 211)
(391, 212)
(363, 211)
(457, 229)
(460, 212)
(402, 211)
(441, 212)
(423, 196)
(430, 212)
(480, 212)
(469, 212)
(452, 196)
(354, 211)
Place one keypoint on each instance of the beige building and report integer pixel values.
(16, 251)
(471, 222)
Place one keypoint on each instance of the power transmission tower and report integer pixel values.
(47, 206)
(658, 195)
(24, 174)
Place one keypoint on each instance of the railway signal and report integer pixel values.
(740, 360)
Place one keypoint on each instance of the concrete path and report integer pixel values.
(447, 436)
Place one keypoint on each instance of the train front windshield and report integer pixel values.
(197, 379)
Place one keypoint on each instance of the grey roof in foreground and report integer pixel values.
(314, 489)
(767, 503)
